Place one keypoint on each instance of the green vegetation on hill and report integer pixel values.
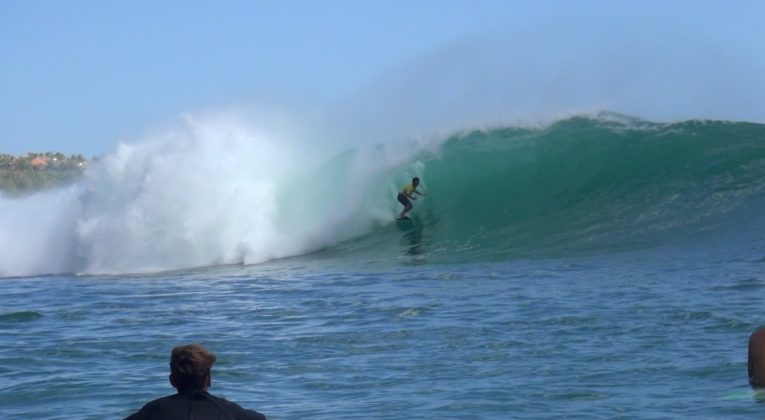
(38, 171)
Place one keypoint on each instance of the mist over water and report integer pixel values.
(213, 191)
(534, 76)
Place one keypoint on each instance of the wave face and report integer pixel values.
(608, 183)
(212, 195)
(582, 184)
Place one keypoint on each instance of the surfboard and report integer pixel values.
(404, 224)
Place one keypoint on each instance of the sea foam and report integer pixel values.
(212, 191)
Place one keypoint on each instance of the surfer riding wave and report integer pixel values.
(406, 193)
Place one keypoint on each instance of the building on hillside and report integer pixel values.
(39, 161)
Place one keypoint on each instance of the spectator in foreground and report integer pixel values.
(757, 359)
(190, 374)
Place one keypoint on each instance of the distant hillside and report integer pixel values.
(37, 171)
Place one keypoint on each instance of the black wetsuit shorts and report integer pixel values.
(404, 200)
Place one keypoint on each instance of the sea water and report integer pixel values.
(595, 268)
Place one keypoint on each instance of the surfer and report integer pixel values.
(408, 192)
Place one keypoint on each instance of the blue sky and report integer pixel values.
(78, 76)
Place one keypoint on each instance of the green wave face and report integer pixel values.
(581, 185)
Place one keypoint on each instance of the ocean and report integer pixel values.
(594, 267)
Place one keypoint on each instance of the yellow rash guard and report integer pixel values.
(408, 190)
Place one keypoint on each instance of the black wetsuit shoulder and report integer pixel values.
(197, 406)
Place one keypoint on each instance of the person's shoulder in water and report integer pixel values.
(200, 405)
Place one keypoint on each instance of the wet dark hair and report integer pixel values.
(190, 366)
(415, 179)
